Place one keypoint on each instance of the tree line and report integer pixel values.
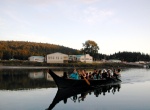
(22, 50)
(124, 56)
(130, 56)
(92, 48)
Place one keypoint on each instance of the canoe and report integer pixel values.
(62, 82)
(81, 93)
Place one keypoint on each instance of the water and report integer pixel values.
(34, 90)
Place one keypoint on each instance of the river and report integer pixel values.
(34, 89)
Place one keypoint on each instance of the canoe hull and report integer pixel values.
(68, 83)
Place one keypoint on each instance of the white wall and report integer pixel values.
(57, 58)
(36, 58)
(86, 58)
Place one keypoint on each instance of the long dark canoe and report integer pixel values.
(80, 93)
(62, 82)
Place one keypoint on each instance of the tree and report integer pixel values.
(90, 47)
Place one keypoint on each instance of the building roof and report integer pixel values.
(57, 53)
(78, 56)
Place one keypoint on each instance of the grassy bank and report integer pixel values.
(86, 65)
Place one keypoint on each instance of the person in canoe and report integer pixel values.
(99, 75)
(104, 74)
(116, 73)
(74, 74)
(95, 74)
(82, 74)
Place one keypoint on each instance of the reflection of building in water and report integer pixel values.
(48, 76)
(41, 74)
(36, 75)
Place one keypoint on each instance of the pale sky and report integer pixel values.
(115, 25)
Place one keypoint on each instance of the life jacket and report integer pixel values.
(74, 75)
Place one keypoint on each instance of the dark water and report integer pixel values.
(34, 90)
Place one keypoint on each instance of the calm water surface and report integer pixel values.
(35, 90)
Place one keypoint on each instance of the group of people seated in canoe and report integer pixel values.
(96, 74)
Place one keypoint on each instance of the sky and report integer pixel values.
(115, 25)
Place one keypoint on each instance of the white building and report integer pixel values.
(57, 58)
(36, 58)
(85, 58)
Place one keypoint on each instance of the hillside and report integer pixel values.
(22, 50)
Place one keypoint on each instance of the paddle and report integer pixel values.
(84, 78)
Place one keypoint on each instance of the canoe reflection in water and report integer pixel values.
(80, 94)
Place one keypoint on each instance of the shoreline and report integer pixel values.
(39, 65)
(31, 67)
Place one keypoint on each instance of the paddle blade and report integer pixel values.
(87, 81)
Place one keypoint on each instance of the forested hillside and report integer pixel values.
(22, 50)
(130, 56)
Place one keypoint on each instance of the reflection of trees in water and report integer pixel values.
(19, 79)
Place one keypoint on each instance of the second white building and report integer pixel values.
(82, 58)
